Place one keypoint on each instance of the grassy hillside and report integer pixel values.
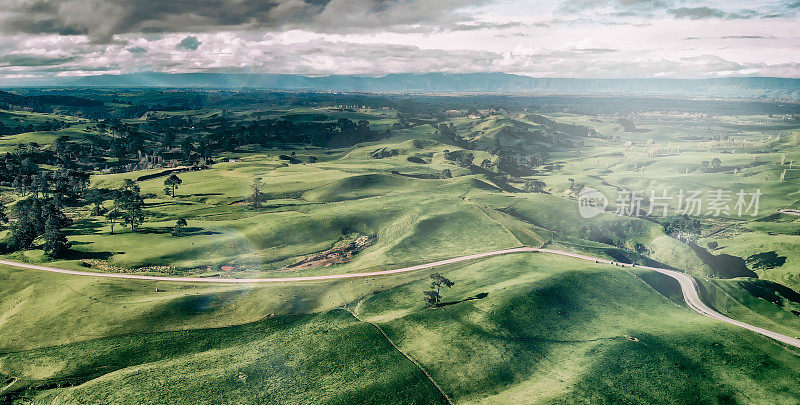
(522, 328)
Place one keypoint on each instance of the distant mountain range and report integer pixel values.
(735, 87)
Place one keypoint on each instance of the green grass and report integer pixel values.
(549, 329)
(558, 330)
(327, 358)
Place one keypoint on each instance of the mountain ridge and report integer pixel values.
(731, 87)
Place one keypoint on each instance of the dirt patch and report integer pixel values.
(342, 252)
(109, 268)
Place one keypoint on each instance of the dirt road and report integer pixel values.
(687, 283)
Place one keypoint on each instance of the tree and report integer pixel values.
(37, 217)
(705, 165)
(256, 197)
(23, 230)
(682, 226)
(433, 296)
(177, 230)
(96, 197)
(713, 245)
(187, 147)
(534, 186)
(466, 160)
(716, 163)
(168, 139)
(130, 203)
(56, 244)
(171, 183)
(3, 215)
(575, 188)
(113, 216)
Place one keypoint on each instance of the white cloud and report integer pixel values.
(511, 36)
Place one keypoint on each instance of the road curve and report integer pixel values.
(687, 283)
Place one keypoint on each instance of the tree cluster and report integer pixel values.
(37, 217)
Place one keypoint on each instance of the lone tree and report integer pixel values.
(130, 203)
(178, 229)
(256, 197)
(433, 296)
(171, 183)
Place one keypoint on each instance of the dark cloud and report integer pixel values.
(189, 43)
(747, 37)
(137, 50)
(622, 7)
(702, 13)
(102, 19)
(482, 25)
(32, 60)
(697, 13)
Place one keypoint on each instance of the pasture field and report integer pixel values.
(521, 328)
(545, 329)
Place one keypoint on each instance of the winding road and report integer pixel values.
(687, 283)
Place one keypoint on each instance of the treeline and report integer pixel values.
(342, 133)
(23, 174)
(32, 127)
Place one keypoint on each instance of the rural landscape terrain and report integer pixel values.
(198, 245)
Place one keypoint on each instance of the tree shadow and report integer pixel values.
(771, 291)
(85, 226)
(199, 195)
(187, 231)
(168, 203)
(766, 260)
(724, 265)
(479, 296)
(83, 255)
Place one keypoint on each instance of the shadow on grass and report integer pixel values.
(83, 255)
(474, 297)
(724, 265)
(766, 260)
(200, 195)
(86, 226)
(188, 231)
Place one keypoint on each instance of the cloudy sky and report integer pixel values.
(551, 38)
